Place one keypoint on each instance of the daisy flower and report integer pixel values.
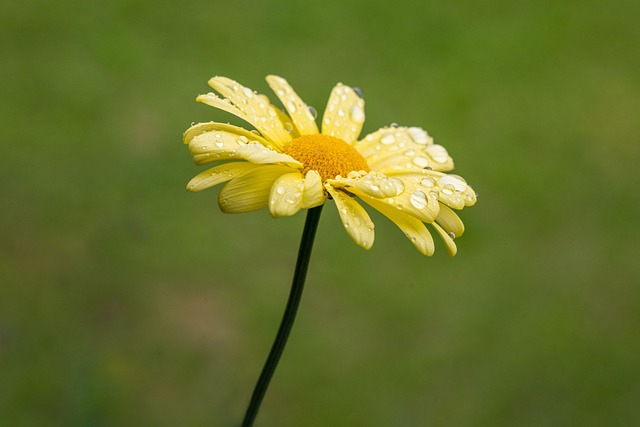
(287, 164)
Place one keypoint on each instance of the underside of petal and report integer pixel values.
(344, 116)
(250, 191)
(450, 221)
(413, 228)
(354, 218)
(452, 249)
(314, 194)
(218, 175)
(285, 198)
(296, 107)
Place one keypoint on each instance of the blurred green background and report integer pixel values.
(126, 301)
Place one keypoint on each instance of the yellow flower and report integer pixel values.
(287, 164)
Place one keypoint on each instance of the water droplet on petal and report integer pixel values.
(291, 106)
(418, 135)
(457, 182)
(357, 114)
(418, 199)
(288, 127)
(247, 92)
(451, 234)
(437, 153)
(388, 138)
(313, 112)
(421, 161)
(358, 91)
(280, 190)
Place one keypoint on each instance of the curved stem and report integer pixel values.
(304, 254)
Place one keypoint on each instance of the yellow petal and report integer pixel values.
(218, 175)
(344, 115)
(250, 191)
(200, 128)
(455, 192)
(448, 241)
(285, 198)
(222, 145)
(450, 221)
(255, 107)
(297, 109)
(354, 218)
(413, 228)
(314, 194)
(373, 183)
(402, 149)
(416, 200)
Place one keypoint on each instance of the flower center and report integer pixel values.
(327, 155)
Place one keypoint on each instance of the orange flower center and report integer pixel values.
(327, 155)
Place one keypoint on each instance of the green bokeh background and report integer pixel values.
(126, 301)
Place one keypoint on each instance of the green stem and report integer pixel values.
(304, 254)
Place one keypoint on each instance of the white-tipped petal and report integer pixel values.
(447, 239)
(344, 116)
(285, 198)
(413, 228)
(374, 184)
(296, 107)
(402, 149)
(218, 175)
(314, 194)
(354, 218)
(250, 191)
(450, 221)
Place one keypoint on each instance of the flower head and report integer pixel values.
(286, 164)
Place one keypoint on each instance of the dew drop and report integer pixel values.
(247, 92)
(291, 106)
(428, 182)
(418, 199)
(288, 127)
(418, 135)
(456, 182)
(219, 144)
(437, 153)
(410, 153)
(448, 189)
(313, 112)
(394, 125)
(357, 114)
(388, 138)
(358, 91)
(451, 234)
(421, 161)
(280, 190)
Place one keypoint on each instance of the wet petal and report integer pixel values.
(218, 175)
(373, 183)
(314, 194)
(344, 115)
(416, 200)
(395, 149)
(297, 109)
(285, 198)
(448, 241)
(413, 228)
(255, 109)
(217, 145)
(354, 218)
(200, 128)
(450, 221)
(250, 191)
